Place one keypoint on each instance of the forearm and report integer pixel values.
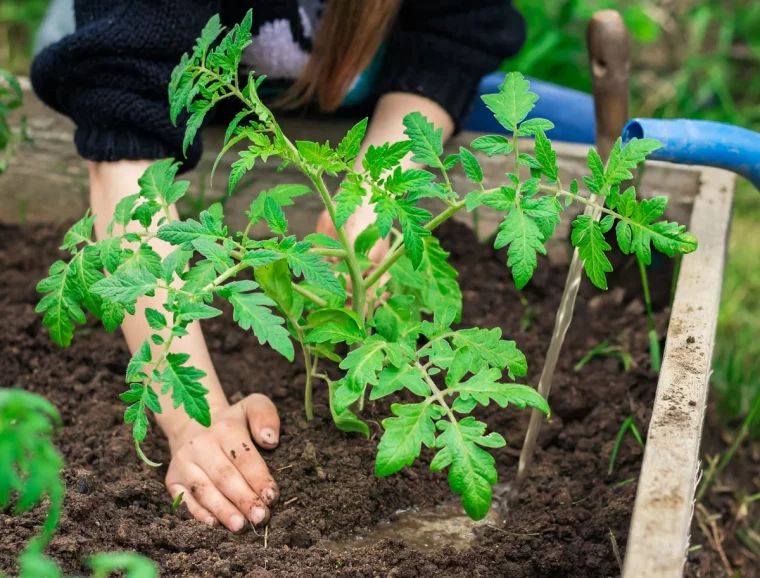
(109, 183)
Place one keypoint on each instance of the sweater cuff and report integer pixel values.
(105, 145)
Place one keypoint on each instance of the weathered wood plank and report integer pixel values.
(664, 506)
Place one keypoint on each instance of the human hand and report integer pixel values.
(220, 471)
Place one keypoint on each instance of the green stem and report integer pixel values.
(358, 287)
(654, 343)
(309, 295)
(728, 456)
(231, 272)
(394, 256)
(324, 252)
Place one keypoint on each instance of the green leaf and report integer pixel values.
(261, 257)
(86, 272)
(199, 276)
(322, 240)
(313, 268)
(427, 141)
(126, 287)
(145, 257)
(513, 102)
(402, 181)
(472, 471)
(275, 217)
(110, 253)
(621, 162)
(181, 232)
(411, 219)
(332, 332)
(484, 386)
(133, 565)
(450, 162)
(588, 237)
(546, 157)
(362, 366)
(157, 179)
(524, 238)
(488, 349)
(471, 166)
(184, 383)
(493, 145)
(214, 252)
(393, 379)
(534, 126)
(123, 211)
(320, 156)
(345, 421)
(156, 320)
(349, 198)
(379, 159)
(275, 280)
(199, 109)
(349, 147)
(404, 435)
(253, 311)
(393, 315)
(80, 232)
(139, 359)
(194, 311)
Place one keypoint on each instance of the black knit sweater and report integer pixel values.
(111, 75)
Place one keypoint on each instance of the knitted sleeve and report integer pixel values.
(441, 49)
(112, 75)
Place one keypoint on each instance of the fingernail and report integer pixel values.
(268, 435)
(258, 515)
(268, 495)
(210, 521)
(236, 523)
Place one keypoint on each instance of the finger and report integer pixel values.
(228, 480)
(252, 467)
(212, 499)
(196, 510)
(262, 419)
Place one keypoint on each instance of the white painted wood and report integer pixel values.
(664, 506)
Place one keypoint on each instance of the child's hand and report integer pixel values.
(220, 471)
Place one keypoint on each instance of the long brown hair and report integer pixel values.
(348, 37)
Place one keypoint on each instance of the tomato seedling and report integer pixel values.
(406, 341)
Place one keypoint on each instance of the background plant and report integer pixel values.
(299, 297)
(31, 468)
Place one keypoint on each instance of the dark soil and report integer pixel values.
(559, 526)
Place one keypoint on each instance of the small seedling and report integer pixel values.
(176, 503)
(409, 341)
(31, 468)
(11, 97)
(628, 424)
(605, 349)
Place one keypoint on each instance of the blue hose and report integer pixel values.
(571, 111)
(700, 142)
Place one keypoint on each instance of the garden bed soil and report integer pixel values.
(560, 525)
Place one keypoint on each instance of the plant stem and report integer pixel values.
(309, 295)
(324, 252)
(654, 343)
(728, 456)
(358, 287)
(394, 256)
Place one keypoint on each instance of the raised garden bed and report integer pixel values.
(564, 522)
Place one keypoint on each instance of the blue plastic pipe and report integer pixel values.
(571, 111)
(700, 142)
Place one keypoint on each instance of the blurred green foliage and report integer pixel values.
(691, 59)
(19, 20)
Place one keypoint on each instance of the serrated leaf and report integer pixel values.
(621, 162)
(110, 253)
(336, 333)
(393, 379)
(513, 102)
(351, 144)
(450, 162)
(546, 157)
(493, 145)
(261, 257)
(123, 211)
(276, 220)
(400, 181)
(471, 166)
(139, 359)
(253, 311)
(404, 435)
(386, 209)
(488, 349)
(349, 198)
(313, 268)
(588, 237)
(524, 238)
(143, 258)
(411, 219)
(214, 252)
(157, 179)
(392, 316)
(345, 421)
(80, 232)
(125, 287)
(362, 366)
(484, 387)
(185, 386)
(379, 159)
(427, 141)
(534, 126)
(181, 232)
(472, 471)
(199, 276)
(195, 311)
(322, 240)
